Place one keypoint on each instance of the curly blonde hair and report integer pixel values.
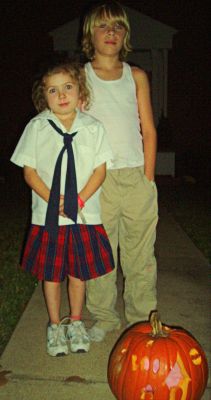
(109, 10)
(77, 74)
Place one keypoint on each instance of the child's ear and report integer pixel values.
(81, 105)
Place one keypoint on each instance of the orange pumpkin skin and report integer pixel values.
(143, 367)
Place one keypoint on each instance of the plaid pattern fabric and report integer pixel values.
(82, 251)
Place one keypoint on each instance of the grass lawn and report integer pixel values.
(188, 203)
(16, 287)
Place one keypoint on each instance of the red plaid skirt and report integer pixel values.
(82, 251)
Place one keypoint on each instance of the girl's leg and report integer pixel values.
(52, 292)
(76, 292)
(76, 332)
(56, 339)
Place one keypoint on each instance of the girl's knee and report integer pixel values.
(76, 282)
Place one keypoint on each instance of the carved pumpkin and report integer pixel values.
(155, 362)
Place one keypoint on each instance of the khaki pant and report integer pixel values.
(129, 215)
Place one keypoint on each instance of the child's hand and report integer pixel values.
(61, 206)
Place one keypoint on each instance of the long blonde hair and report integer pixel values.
(108, 10)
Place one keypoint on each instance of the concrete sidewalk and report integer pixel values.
(183, 299)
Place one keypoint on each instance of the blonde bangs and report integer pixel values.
(113, 12)
(104, 14)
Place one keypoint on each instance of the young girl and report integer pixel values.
(63, 147)
(121, 100)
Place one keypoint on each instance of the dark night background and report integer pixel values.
(24, 40)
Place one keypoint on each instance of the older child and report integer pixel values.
(64, 154)
(121, 100)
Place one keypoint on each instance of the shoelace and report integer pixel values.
(56, 337)
(79, 328)
(66, 325)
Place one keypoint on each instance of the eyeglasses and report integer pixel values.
(105, 27)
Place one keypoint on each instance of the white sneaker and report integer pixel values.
(96, 334)
(56, 340)
(78, 336)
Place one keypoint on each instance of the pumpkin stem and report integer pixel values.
(157, 329)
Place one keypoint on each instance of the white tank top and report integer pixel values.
(114, 103)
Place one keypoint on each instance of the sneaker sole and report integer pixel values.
(58, 355)
(80, 350)
(62, 354)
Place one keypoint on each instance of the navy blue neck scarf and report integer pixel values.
(71, 193)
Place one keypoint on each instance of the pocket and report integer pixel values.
(152, 184)
(84, 161)
(150, 188)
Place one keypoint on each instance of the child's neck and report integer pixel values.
(106, 62)
(67, 121)
(108, 68)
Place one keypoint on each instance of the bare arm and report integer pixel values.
(147, 122)
(36, 183)
(94, 182)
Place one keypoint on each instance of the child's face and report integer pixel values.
(62, 94)
(108, 37)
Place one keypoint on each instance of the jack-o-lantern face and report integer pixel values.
(168, 367)
(177, 380)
